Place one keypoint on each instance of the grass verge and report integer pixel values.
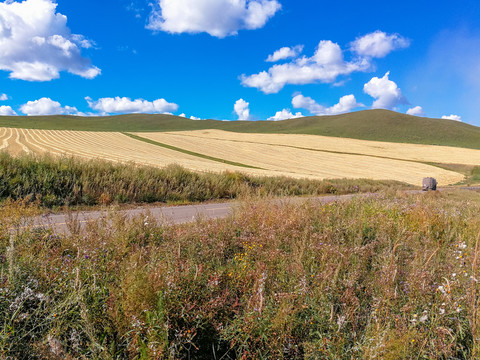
(380, 278)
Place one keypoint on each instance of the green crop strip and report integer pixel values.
(223, 161)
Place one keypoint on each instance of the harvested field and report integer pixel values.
(414, 152)
(273, 155)
(112, 146)
(317, 164)
(13, 140)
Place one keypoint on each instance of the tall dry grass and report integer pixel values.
(70, 181)
(376, 278)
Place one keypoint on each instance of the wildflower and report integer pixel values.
(424, 318)
(442, 311)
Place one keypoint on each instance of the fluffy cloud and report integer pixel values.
(285, 53)
(242, 109)
(218, 18)
(3, 97)
(191, 117)
(378, 44)
(416, 111)
(324, 66)
(284, 115)
(452, 117)
(126, 105)
(345, 104)
(386, 93)
(7, 111)
(46, 106)
(36, 44)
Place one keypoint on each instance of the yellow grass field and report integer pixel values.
(252, 149)
(414, 152)
(114, 147)
(289, 155)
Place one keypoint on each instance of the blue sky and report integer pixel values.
(208, 58)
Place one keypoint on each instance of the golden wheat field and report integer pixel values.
(414, 152)
(114, 147)
(298, 156)
(251, 149)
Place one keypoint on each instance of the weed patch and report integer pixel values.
(382, 278)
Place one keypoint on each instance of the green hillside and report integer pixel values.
(381, 125)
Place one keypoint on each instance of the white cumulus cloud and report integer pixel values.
(191, 117)
(324, 66)
(7, 111)
(386, 93)
(345, 104)
(452, 117)
(36, 44)
(3, 97)
(47, 106)
(378, 44)
(416, 111)
(284, 115)
(242, 109)
(285, 53)
(218, 18)
(119, 105)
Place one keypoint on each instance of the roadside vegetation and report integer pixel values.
(385, 277)
(57, 181)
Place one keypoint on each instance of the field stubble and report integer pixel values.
(278, 153)
(115, 147)
(274, 158)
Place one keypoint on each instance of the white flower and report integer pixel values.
(442, 289)
(424, 318)
(442, 311)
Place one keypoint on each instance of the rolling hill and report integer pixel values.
(379, 125)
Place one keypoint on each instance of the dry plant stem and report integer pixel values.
(474, 298)
(11, 258)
